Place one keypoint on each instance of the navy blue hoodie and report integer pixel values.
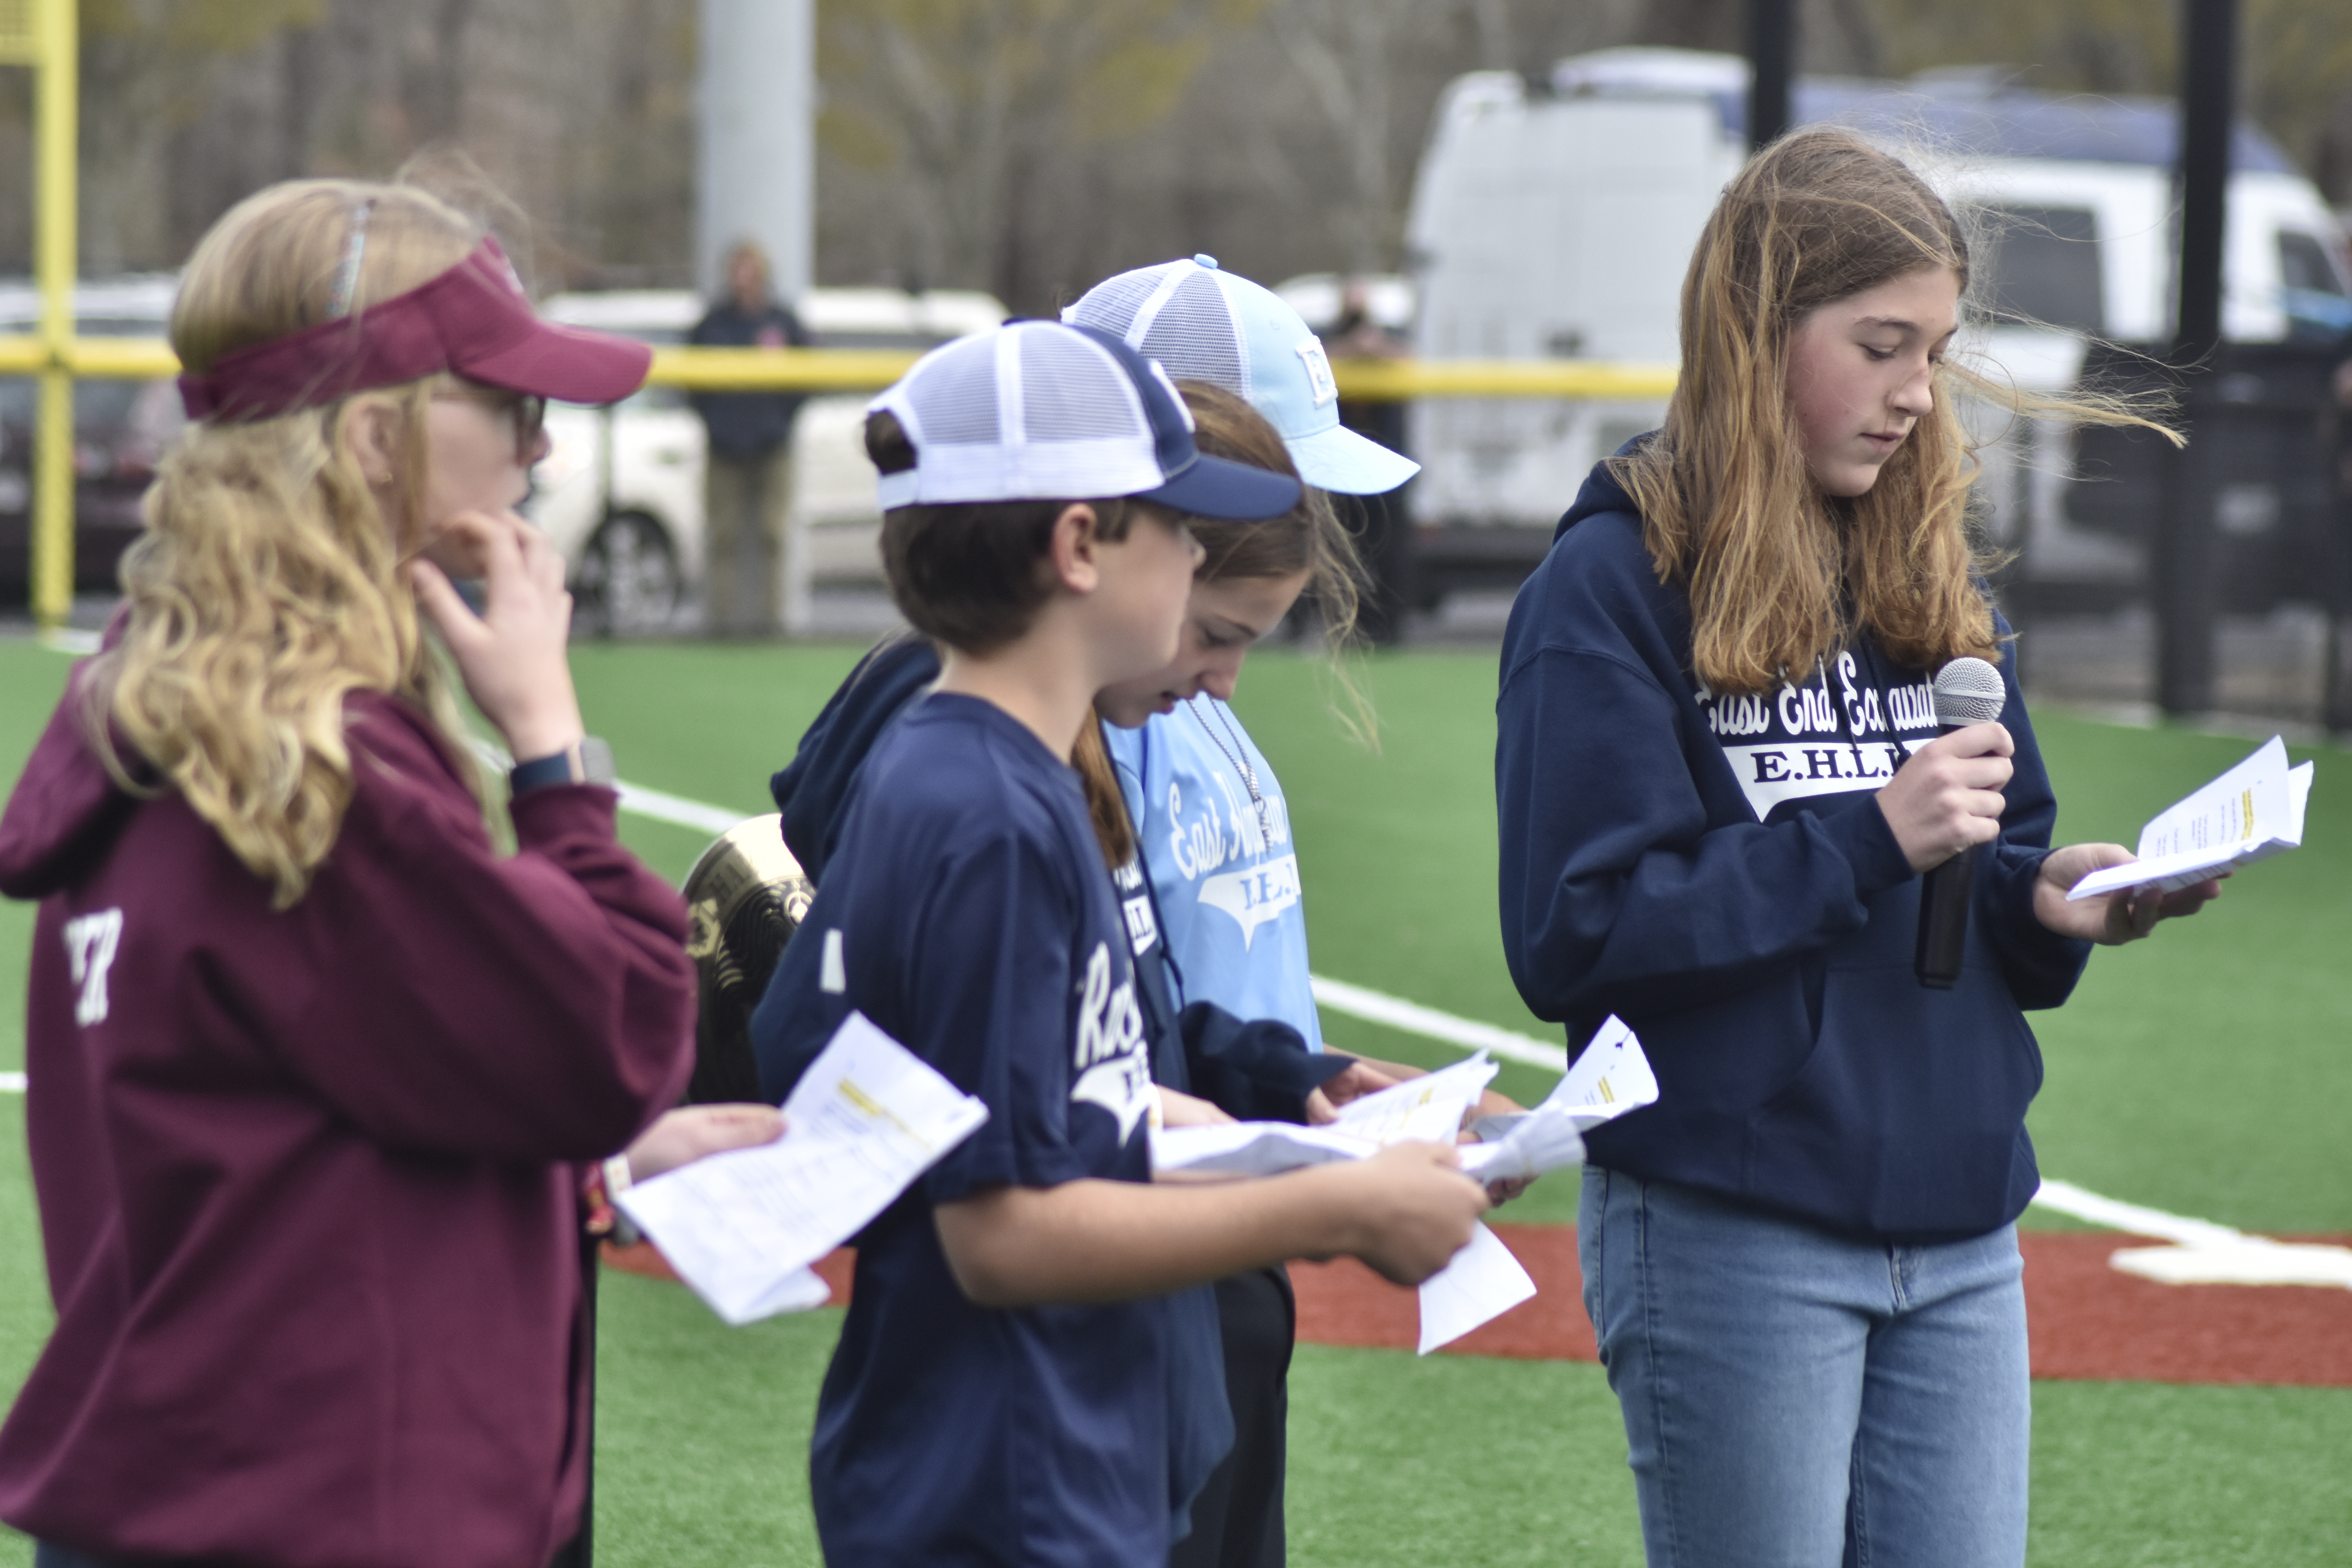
(1714, 870)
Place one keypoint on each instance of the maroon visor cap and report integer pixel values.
(474, 320)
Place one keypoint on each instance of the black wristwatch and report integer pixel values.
(588, 760)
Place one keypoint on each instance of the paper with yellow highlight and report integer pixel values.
(2251, 813)
(742, 1228)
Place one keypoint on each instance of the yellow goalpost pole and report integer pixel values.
(56, 38)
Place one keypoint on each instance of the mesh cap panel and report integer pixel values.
(955, 401)
(1110, 307)
(1070, 393)
(1044, 411)
(1193, 336)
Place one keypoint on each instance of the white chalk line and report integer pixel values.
(2200, 1252)
(1396, 1013)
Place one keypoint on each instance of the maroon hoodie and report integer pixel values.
(311, 1231)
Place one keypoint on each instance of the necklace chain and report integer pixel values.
(1238, 755)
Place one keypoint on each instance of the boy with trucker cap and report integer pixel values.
(1001, 1391)
(1211, 817)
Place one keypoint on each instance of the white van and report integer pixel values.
(1556, 222)
(620, 492)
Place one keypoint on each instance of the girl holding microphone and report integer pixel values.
(1719, 780)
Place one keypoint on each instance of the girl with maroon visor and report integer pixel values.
(315, 1073)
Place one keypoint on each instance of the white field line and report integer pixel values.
(639, 801)
(2067, 1198)
(67, 640)
(2202, 1252)
(1396, 1013)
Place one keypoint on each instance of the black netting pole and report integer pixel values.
(1772, 58)
(2184, 574)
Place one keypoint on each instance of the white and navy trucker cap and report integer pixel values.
(1040, 411)
(1207, 324)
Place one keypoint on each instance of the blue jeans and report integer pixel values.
(1796, 1399)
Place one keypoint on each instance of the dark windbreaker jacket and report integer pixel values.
(1714, 870)
(311, 1225)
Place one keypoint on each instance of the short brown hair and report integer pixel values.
(965, 573)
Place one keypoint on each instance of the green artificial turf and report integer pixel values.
(702, 1431)
(2198, 1072)
(2144, 1475)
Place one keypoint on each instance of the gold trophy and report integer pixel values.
(745, 897)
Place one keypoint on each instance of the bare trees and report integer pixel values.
(1348, 53)
(966, 109)
(1027, 146)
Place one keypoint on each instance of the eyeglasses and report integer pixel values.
(525, 413)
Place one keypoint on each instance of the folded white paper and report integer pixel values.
(1482, 1283)
(1253, 1148)
(742, 1228)
(2251, 813)
(1611, 1078)
(1428, 1109)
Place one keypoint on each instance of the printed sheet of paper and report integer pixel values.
(1253, 1148)
(742, 1228)
(1482, 1283)
(1429, 1108)
(1610, 1078)
(2251, 813)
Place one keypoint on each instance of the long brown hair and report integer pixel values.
(1779, 573)
(267, 585)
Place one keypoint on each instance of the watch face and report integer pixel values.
(596, 761)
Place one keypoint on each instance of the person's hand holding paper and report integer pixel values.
(1610, 1078)
(2116, 917)
(742, 1226)
(2251, 813)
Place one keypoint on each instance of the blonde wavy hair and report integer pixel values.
(1779, 573)
(267, 584)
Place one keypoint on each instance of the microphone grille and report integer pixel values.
(1969, 691)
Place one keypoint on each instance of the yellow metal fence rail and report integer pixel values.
(870, 370)
(59, 360)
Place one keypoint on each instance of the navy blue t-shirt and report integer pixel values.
(966, 912)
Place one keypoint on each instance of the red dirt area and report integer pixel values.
(2088, 1322)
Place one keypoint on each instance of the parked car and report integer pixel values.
(1556, 220)
(120, 430)
(620, 492)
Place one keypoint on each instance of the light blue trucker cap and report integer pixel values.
(1203, 323)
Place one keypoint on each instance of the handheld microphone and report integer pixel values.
(1968, 691)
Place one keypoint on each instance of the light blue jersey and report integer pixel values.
(1221, 862)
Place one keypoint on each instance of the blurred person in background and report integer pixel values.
(319, 1081)
(747, 485)
(1382, 526)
